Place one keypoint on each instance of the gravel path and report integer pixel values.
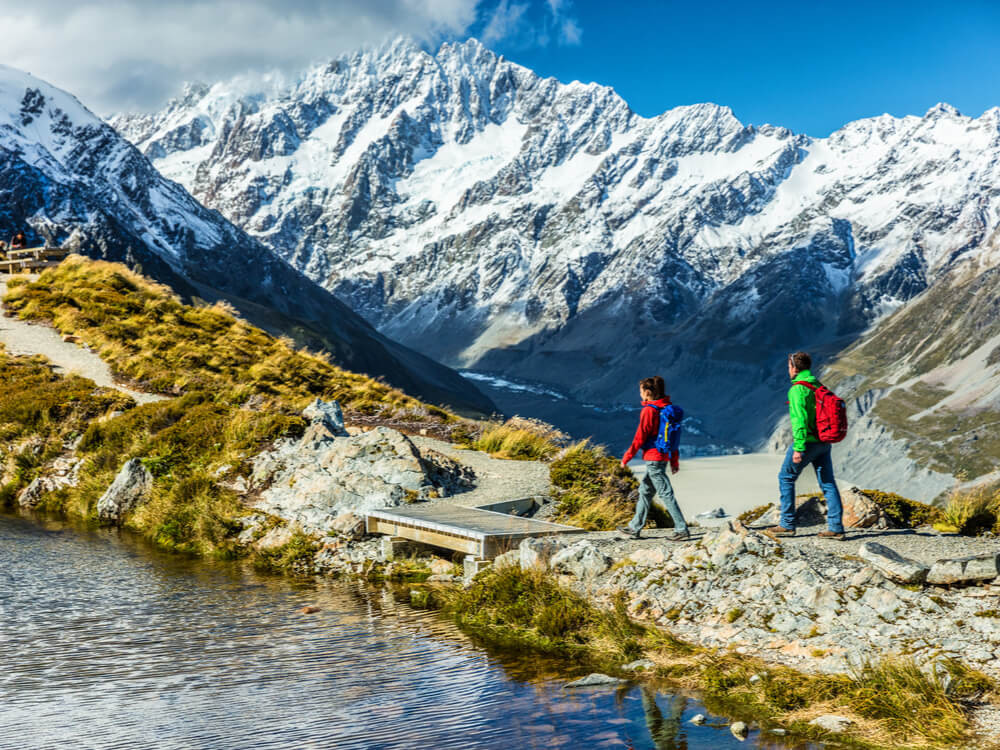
(26, 338)
(497, 479)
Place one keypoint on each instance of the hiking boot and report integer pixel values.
(838, 535)
(779, 531)
(678, 536)
(628, 532)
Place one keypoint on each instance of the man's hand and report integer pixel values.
(624, 464)
(674, 469)
(797, 457)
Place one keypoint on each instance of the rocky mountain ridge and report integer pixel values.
(74, 180)
(504, 222)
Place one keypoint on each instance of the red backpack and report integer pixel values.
(831, 413)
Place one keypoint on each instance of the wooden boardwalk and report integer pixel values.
(474, 531)
(31, 259)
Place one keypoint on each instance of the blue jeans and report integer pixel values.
(817, 454)
(656, 482)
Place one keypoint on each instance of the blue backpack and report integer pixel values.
(668, 434)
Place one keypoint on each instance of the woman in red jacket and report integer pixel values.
(655, 404)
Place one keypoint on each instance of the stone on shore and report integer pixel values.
(739, 730)
(639, 665)
(537, 552)
(892, 564)
(582, 560)
(595, 680)
(832, 723)
(64, 472)
(130, 489)
(965, 570)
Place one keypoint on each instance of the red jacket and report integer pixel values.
(649, 426)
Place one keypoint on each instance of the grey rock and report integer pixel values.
(328, 414)
(61, 473)
(698, 719)
(537, 552)
(130, 488)
(510, 559)
(832, 723)
(638, 665)
(739, 730)
(595, 680)
(965, 570)
(314, 481)
(892, 564)
(582, 560)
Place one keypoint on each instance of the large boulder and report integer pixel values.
(860, 512)
(892, 564)
(130, 489)
(581, 560)
(327, 414)
(537, 552)
(314, 480)
(965, 570)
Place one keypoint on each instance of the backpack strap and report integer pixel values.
(810, 386)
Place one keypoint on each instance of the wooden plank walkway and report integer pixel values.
(474, 531)
(31, 259)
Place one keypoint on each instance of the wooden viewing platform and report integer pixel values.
(474, 531)
(31, 259)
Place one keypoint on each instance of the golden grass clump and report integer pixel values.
(596, 492)
(153, 341)
(971, 511)
(518, 439)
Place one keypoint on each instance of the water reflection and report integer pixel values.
(106, 643)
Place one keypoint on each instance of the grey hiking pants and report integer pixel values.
(656, 482)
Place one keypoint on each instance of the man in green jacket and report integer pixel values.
(806, 449)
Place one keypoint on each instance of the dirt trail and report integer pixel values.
(497, 479)
(26, 338)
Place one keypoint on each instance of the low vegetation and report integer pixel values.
(893, 703)
(595, 491)
(905, 513)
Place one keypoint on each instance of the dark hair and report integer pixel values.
(654, 386)
(800, 361)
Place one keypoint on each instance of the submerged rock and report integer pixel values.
(739, 730)
(130, 489)
(596, 680)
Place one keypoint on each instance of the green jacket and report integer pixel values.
(802, 411)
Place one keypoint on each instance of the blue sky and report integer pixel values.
(810, 65)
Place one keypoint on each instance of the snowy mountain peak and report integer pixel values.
(501, 220)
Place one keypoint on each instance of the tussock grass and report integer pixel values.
(597, 493)
(907, 513)
(894, 702)
(515, 440)
(153, 341)
(971, 512)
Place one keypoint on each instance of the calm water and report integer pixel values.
(105, 643)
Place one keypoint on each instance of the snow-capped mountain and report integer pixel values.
(502, 221)
(64, 172)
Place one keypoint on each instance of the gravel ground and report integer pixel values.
(25, 338)
(497, 479)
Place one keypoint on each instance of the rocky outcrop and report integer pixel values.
(795, 604)
(965, 570)
(130, 489)
(329, 472)
(63, 472)
(892, 564)
(860, 512)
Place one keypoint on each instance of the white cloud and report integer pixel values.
(132, 54)
(118, 55)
